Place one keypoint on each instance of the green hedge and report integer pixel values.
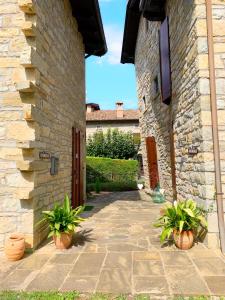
(113, 186)
(111, 170)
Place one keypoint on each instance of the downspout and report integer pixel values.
(216, 146)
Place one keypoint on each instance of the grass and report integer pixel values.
(38, 295)
(10, 295)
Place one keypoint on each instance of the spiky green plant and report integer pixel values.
(181, 216)
(63, 218)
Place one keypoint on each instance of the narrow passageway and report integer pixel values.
(117, 251)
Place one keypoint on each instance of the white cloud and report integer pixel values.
(114, 39)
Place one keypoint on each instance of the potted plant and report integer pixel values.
(182, 221)
(62, 221)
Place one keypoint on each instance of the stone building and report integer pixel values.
(126, 120)
(42, 107)
(178, 48)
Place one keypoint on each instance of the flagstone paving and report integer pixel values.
(117, 251)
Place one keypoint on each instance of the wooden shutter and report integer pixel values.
(165, 68)
(152, 161)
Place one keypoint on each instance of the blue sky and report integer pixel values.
(107, 79)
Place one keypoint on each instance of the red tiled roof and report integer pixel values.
(111, 115)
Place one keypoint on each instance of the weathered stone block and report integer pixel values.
(26, 6)
(20, 131)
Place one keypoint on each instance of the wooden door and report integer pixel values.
(152, 161)
(77, 170)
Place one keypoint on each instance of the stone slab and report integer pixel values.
(175, 258)
(50, 278)
(148, 268)
(119, 260)
(185, 281)
(216, 284)
(151, 285)
(115, 281)
(61, 258)
(81, 284)
(34, 262)
(14, 280)
(210, 267)
(88, 264)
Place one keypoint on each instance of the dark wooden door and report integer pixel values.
(77, 170)
(152, 161)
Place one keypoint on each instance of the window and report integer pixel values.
(143, 103)
(146, 25)
(156, 85)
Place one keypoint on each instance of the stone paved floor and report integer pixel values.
(117, 251)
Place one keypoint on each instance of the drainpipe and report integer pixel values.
(216, 146)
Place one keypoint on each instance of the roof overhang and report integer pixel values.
(132, 21)
(88, 16)
(153, 10)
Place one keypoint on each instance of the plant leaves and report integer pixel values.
(189, 212)
(181, 225)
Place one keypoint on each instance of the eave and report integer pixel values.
(88, 16)
(132, 21)
(153, 10)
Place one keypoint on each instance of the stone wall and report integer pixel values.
(42, 94)
(218, 12)
(189, 115)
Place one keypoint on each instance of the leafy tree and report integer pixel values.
(113, 144)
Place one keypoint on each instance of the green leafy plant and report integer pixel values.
(181, 216)
(63, 218)
(113, 144)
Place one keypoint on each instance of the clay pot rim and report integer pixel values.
(64, 233)
(16, 236)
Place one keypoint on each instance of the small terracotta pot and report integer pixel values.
(15, 246)
(183, 240)
(64, 241)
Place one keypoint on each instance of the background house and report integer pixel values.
(126, 120)
(178, 50)
(42, 107)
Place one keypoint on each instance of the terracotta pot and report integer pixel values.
(183, 240)
(15, 246)
(64, 241)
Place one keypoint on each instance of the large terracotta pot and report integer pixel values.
(64, 241)
(183, 240)
(15, 246)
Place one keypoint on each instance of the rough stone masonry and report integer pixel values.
(42, 94)
(189, 114)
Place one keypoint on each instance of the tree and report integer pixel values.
(113, 144)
